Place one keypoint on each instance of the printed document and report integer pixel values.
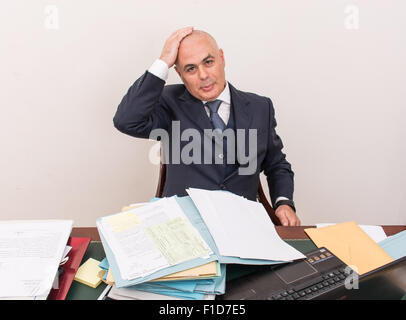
(152, 237)
(30, 254)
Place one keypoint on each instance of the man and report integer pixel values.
(207, 102)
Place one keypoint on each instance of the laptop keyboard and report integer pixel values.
(312, 289)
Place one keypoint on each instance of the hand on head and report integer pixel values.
(170, 49)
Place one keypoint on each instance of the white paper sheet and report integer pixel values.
(240, 227)
(30, 253)
(375, 232)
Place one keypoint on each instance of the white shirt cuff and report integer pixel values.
(281, 198)
(160, 69)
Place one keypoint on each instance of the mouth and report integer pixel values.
(208, 88)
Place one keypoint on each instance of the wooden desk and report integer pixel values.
(298, 232)
(284, 232)
(295, 236)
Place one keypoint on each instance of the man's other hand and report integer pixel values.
(170, 49)
(287, 216)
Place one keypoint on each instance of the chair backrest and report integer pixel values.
(261, 195)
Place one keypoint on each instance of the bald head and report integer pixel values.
(194, 37)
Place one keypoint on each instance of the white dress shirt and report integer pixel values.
(160, 69)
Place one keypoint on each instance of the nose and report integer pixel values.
(202, 73)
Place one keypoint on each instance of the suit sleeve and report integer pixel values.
(142, 109)
(276, 168)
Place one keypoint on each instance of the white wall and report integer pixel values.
(337, 93)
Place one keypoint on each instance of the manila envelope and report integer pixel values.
(350, 244)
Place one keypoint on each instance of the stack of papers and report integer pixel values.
(179, 246)
(30, 254)
(133, 294)
(200, 287)
(151, 238)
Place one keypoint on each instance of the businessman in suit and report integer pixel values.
(205, 103)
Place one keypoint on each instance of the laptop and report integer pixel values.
(321, 275)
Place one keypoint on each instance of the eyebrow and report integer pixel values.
(192, 65)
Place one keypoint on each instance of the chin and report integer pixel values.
(212, 95)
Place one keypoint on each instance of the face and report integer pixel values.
(200, 65)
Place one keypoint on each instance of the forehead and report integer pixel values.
(193, 50)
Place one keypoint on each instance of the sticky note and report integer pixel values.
(88, 273)
(132, 206)
(123, 221)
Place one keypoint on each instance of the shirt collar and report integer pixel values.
(224, 95)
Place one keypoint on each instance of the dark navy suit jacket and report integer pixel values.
(149, 104)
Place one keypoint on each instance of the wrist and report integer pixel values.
(166, 61)
(290, 203)
(160, 69)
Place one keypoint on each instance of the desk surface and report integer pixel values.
(284, 232)
(295, 236)
(79, 291)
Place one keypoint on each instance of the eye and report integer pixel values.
(190, 69)
(209, 62)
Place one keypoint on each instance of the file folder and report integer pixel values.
(79, 247)
(395, 245)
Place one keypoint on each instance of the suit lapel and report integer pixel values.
(194, 110)
(243, 118)
(240, 104)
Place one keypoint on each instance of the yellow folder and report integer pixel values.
(350, 244)
(207, 270)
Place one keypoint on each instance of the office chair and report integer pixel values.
(260, 197)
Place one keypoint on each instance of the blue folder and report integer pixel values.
(395, 245)
(191, 289)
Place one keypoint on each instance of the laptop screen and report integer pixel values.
(385, 283)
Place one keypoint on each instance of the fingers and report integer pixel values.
(181, 33)
(292, 219)
(287, 217)
(170, 50)
(178, 35)
(284, 221)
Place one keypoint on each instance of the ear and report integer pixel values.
(177, 71)
(222, 56)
